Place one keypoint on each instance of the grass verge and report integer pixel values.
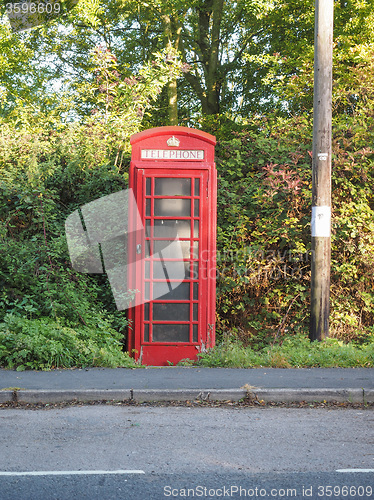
(294, 352)
(43, 344)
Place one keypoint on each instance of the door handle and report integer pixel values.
(138, 249)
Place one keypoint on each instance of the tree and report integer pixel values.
(211, 36)
(282, 76)
(239, 57)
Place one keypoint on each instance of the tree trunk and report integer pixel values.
(173, 102)
(210, 19)
(171, 40)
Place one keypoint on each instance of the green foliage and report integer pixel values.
(64, 145)
(281, 75)
(263, 244)
(42, 344)
(48, 169)
(264, 198)
(238, 57)
(46, 172)
(295, 352)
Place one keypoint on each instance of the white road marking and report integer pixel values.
(355, 470)
(69, 472)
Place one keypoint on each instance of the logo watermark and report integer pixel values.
(24, 15)
(98, 240)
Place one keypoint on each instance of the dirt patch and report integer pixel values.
(245, 403)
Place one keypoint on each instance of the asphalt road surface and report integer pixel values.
(122, 452)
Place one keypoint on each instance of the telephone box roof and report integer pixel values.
(157, 131)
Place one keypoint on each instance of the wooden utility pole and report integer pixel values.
(321, 189)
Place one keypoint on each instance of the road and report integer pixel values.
(164, 452)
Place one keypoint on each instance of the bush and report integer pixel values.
(42, 344)
(264, 196)
(45, 174)
(48, 170)
(263, 240)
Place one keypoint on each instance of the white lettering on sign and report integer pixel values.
(172, 154)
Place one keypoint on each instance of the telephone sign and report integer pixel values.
(173, 254)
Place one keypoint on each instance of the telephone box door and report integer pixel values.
(173, 213)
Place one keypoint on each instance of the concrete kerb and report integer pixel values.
(313, 395)
(6, 396)
(60, 395)
(148, 395)
(157, 395)
(368, 395)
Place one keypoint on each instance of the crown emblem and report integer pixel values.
(173, 141)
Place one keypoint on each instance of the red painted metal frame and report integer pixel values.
(157, 353)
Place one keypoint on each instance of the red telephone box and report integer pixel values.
(174, 181)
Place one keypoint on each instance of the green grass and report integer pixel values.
(295, 352)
